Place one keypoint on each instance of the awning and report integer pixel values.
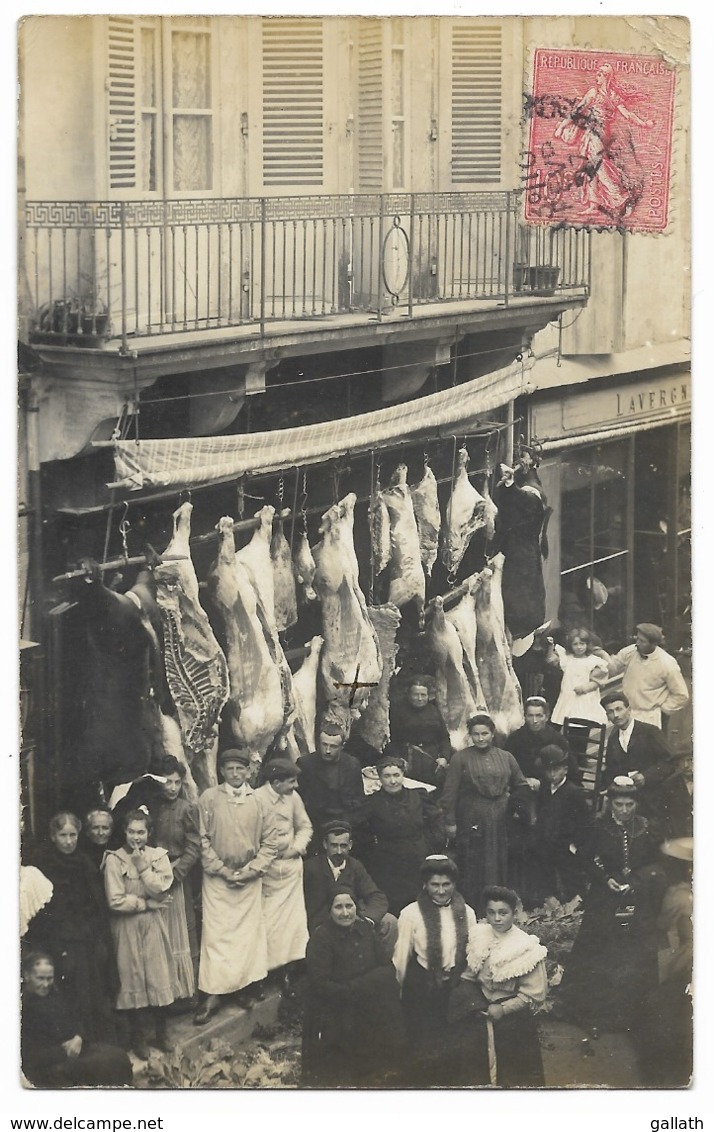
(680, 415)
(203, 460)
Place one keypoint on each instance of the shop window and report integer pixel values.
(594, 542)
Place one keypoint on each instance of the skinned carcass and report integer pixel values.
(305, 691)
(256, 560)
(428, 517)
(373, 725)
(380, 532)
(522, 517)
(407, 581)
(495, 666)
(255, 704)
(454, 698)
(304, 568)
(466, 513)
(283, 581)
(351, 650)
(463, 617)
(196, 669)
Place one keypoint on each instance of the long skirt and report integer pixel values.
(481, 844)
(234, 946)
(284, 912)
(518, 1058)
(177, 925)
(147, 972)
(425, 1004)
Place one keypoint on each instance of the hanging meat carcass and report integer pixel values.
(407, 581)
(454, 698)
(304, 568)
(255, 704)
(463, 617)
(467, 512)
(373, 724)
(351, 649)
(256, 560)
(305, 692)
(196, 669)
(283, 580)
(522, 515)
(425, 498)
(493, 655)
(380, 532)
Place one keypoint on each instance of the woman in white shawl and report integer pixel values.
(491, 1014)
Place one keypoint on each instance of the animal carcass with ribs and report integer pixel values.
(351, 650)
(454, 698)
(493, 655)
(373, 725)
(286, 613)
(463, 617)
(407, 581)
(425, 498)
(467, 512)
(255, 703)
(196, 669)
(520, 536)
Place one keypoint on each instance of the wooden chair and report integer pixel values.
(586, 740)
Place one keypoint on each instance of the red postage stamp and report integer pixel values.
(600, 140)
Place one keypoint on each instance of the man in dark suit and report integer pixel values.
(331, 780)
(640, 751)
(334, 864)
(562, 820)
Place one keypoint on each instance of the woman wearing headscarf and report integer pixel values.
(613, 963)
(352, 1030)
(434, 934)
(73, 927)
(493, 1030)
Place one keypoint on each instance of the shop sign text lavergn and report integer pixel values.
(600, 139)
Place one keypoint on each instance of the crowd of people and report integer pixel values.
(391, 916)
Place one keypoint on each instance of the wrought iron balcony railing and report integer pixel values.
(100, 270)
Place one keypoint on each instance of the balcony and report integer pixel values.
(108, 274)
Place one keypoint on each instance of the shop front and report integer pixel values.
(617, 471)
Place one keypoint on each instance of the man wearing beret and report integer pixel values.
(651, 678)
(238, 844)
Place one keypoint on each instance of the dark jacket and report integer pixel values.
(562, 818)
(319, 883)
(402, 828)
(325, 802)
(525, 746)
(648, 752)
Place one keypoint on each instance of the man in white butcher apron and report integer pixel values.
(238, 844)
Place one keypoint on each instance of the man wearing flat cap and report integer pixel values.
(562, 821)
(651, 678)
(238, 844)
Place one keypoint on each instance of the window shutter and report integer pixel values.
(122, 103)
(476, 104)
(370, 155)
(292, 102)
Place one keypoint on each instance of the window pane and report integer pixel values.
(192, 153)
(148, 153)
(148, 67)
(191, 80)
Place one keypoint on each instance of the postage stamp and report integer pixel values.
(600, 138)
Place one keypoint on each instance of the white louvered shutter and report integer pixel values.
(293, 94)
(476, 104)
(122, 103)
(370, 122)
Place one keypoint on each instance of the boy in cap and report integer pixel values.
(562, 820)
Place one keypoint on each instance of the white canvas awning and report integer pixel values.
(203, 460)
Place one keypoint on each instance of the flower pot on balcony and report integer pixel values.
(543, 279)
(520, 276)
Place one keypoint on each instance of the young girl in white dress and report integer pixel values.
(583, 675)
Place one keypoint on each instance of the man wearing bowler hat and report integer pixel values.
(238, 844)
(562, 821)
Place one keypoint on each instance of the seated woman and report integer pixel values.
(492, 1025)
(55, 1053)
(403, 826)
(613, 963)
(419, 733)
(352, 1029)
(137, 880)
(73, 928)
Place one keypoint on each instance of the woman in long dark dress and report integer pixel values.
(404, 825)
(55, 1052)
(74, 929)
(352, 1030)
(479, 782)
(613, 963)
(419, 733)
(493, 1029)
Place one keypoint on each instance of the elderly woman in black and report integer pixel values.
(55, 1052)
(74, 929)
(613, 963)
(402, 825)
(479, 782)
(352, 1030)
